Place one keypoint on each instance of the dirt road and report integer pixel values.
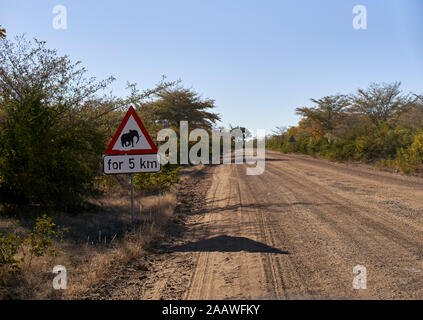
(296, 231)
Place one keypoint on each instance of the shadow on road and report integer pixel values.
(227, 244)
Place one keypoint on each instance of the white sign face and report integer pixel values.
(131, 163)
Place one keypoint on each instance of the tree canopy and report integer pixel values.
(326, 113)
(180, 104)
(381, 102)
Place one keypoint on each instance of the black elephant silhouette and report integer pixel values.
(127, 139)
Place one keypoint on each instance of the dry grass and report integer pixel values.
(96, 243)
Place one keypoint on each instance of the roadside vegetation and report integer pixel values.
(56, 206)
(379, 124)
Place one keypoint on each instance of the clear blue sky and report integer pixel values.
(258, 59)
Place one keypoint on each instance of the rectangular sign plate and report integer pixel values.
(131, 163)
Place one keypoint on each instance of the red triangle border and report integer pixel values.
(131, 112)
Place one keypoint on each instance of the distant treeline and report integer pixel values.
(56, 122)
(379, 124)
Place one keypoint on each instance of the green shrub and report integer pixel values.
(411, 159)
(157, 182)
(386, 163)
(40, 241)
(10, 245)
(382, 141)
(43, 160)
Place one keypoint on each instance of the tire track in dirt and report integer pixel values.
(392, 230)
(291, 224)
(234, 273)
(361, 228)
(273, 280)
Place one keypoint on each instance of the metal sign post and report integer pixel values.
(132, 201)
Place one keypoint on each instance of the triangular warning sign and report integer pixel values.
(292, 139)
(131, 137)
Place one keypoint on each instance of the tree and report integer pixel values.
(325, 115)
(179, 104)
(381, 102)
